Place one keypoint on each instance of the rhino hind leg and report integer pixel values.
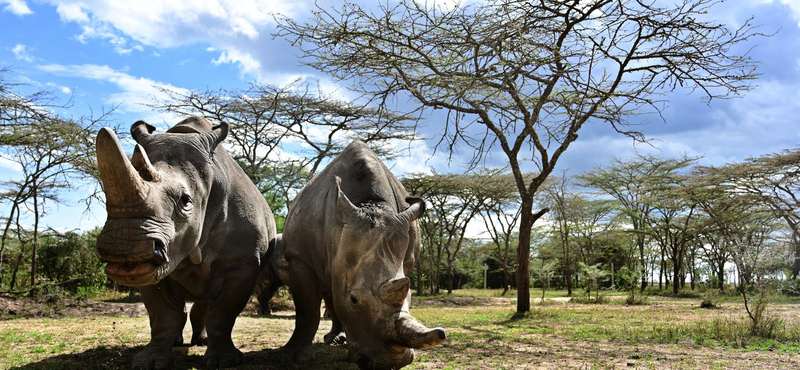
(305, 291)
(167, 318)
(222, 313)
(198, 320)
(336, 336)
(265, 295)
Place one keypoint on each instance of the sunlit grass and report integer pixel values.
(667, 333)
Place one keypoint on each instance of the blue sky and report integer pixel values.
(115, 53)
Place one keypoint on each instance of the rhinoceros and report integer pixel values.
(274, 274)
(184, 224)
(351, 238)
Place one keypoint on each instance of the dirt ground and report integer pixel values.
(85, 335)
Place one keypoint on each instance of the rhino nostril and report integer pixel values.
(159, 252)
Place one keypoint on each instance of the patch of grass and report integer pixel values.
(668, 333)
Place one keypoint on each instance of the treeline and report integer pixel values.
(668, 222)
(645, 220)
(280, 135)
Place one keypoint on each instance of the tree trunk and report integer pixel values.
(420, 284)
(16, 268)
(35, 240)
(662, 271)
(676, 272)
(721, 277)
(506, 278)
(450, 281)
(527, 218)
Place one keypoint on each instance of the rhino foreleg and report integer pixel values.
(167, 318)
(336, 335)
(305, 291)
(221, 316)
(198, 319)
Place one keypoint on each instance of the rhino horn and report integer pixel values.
(395, 291)
(141, 162)
(412, 334)
(123, 185)
(413, 212)
(347, 208)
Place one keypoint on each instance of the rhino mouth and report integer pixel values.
(138, 271)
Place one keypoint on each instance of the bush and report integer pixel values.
(790, 288)
(587, 299)
(710, 300)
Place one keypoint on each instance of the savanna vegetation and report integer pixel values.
(608, 268)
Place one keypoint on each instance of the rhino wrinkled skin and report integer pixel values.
(351, 238)
(184, 224)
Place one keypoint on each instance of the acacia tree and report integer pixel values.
(525, 76)
(561, 200)
(52, 152)
(452, 203)
(673, 223)
(775, 180)
(498, 203)
(281, 135)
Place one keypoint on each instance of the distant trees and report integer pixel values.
(281, 135)
(52, 152)
(525, 76)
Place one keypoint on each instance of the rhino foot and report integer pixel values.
(219, 358)
(333, 339)
(153, 359)
(297, 354)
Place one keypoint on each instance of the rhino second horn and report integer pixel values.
(123, 185)
(412, 334)
(347, 208)
(395, 291)
(141, 162)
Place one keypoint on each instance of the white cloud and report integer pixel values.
(11, 165)
(63, 89)
(21, 53)
(247, 64)
(72, 13)
(135, 92)
(793, 4)
(17, 7)
(225, 25)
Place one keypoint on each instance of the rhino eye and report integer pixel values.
(353, 299)
(186, 199)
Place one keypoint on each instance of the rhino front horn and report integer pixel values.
(412, 334)
(123, 185)
(395, 291)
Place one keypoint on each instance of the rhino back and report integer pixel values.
(312, 229)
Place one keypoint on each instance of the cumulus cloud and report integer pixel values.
(21, 53)
(134, 92)
(17, 7)
(794, 5)
(225, 25)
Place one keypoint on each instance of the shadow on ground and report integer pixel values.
(119, 358)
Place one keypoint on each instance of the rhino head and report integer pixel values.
(156, 201)
(370, 289)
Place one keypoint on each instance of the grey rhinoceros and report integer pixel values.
(351, 238)
(274, 274)
(184, 224)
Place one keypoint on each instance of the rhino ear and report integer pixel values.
(141, 130)
(348, 210)
(413, 212)
(217, 135)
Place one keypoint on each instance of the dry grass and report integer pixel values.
(483, 334)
